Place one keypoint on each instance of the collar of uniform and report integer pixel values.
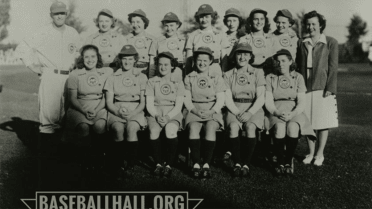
(118, 72)
(145, 34)
(214, 30)
(265, 35)
(293, 73)
(322, 39)
(276, 33)
(249, 69)
(81, 71)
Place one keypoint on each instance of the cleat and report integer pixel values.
(245, 172)
(206, 173)
(195, 172)
(236, 171)
(167, 172)
(158, 170)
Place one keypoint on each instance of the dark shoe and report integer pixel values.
(227, 159)
(167, 172)
(195, 172)
(288, 169)
(279, 170)
(245, 172)
(236, 171)
(206, 173)
(158, 170)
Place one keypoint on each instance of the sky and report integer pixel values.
(27, 16)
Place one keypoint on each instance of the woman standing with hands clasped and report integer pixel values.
(318, 62)
(245, 97)
(164, 101)
(285, 102)
(125, 101)
(204, 98)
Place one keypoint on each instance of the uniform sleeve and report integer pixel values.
(226, 78)
(225, 42)
(143, 82)
(109, 84)
(150, 88)
(122, 41)
(260, 78)
(221, 86)
(189, 41)
(72, 81)
(187, 83)
(332, 66)
(181, 89)
(268, 84)
(301, 88)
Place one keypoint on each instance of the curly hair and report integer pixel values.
(96, 20)
(276, 65)
(214, 17)
(80, 60)
(249, 23)
(118, 62)
(233, 58)
(144, 19)
(321, 19)
(241, 22)
(173, 62)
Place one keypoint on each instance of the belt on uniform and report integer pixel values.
(141, 65)
(203, 101)
(63, 72)
(284, 100)
(136, 101)
(180, 65)
(243, 100)
(258, 66)
(216, 61)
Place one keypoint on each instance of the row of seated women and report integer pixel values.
(125, 102)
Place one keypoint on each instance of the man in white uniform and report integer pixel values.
(51, 53)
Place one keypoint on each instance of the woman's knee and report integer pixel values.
(118, 129)
(250, 128)
(83, 129)
(293, 129)
(154, 133)
(279, 130)
(100, 127)
(234, 129)
(194, 130)
(171, 130)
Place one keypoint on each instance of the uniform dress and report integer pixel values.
(204, 89)
(89, 85)
(285, 91)
(174, 45)
(286, 41)
(243, 85)
(165, 92)
(55, 51)
(263, 47)
(126, 87)
(214, 40)
(109, 44)
(143, 44)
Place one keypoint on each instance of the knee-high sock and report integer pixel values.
(209, 148)
(248, 146)
(195, 150)
(172, 144)
(132, 152)
(291, 145)
(235, 150)
(156, 150)
(279, 149)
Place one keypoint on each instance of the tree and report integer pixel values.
(72, 20)
(122, 27)
(357, 28)
(4, 18)
(299, 26)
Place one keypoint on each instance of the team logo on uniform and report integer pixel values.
(258, 42)
(71, 48)
(284, 82)
(285, 41)
(104, 42)
(140, 43)
(232, 41)
(165, 89)
(207, 38)
(172, 45)
(202, 83)
(127, 82)
(242, 79)
(93, 80)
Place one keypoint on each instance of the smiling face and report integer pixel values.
(165, 66)
(232, 23)
(258, 21)
(205, 21)
(203, 62)
(90, 59)
(284, 63)
(104, 23)
(128, 62)
(282, 24)
(170, 28)
(59, 18)
(137, 24)
(242, 58)
(313, 26)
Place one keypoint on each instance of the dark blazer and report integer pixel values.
(325, 65)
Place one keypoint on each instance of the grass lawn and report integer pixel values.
(344, 181)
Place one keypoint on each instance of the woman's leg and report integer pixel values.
(210, 141)
(116, 149)
(279, 141)
(293, 130)
(155, 145)
(249, 143)
(132, 128)
(235, 143)
(194, 136)
(322, 136)
(171, 130)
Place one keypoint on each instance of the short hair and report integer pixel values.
(173, 62)
(144, 19)
(170, 21)
(118, 58)
(214, 16)
(240, 20)
(97, 20)
(80, 61)
(249, 23)
(321, 18)
(233, 58)
(276, 66)
(290, 20)
(210, 57)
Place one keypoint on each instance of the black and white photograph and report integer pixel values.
(177, 104)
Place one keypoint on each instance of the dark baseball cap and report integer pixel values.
(258, 10)
(282, 52)
(285, 13)
(205, 9)
(58, 7)
(243, 47)
(106, 12)
(232, 12)
(203, 50)
(171, 17)
(128, 50)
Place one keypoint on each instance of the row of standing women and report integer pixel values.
(126, 93)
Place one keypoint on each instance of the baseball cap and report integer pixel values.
(203, 50)
(138, 12)
(232, 12)
(58, 7)
(166, 54)
(106, 12)
(258, 10)
(128, 50)
(205, 9)
(171, 17)
(282, 52)
(285, 13)
(245, 47)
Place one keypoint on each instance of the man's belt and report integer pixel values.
(243, 100)
(63, 72)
